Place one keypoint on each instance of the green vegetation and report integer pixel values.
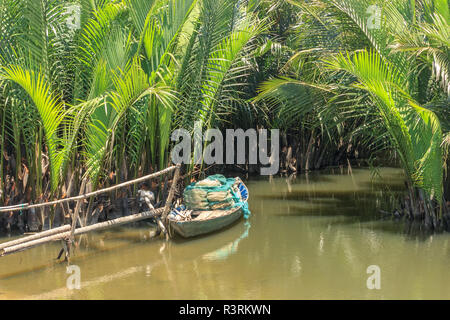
(96, 98)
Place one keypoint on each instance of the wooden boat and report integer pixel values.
(209, 221)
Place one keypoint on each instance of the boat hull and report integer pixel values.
(188, 229)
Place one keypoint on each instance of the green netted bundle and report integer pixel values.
(213, 193)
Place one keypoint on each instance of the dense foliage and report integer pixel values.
(95, 95)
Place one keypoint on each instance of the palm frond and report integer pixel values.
(415, 131)
(49, 107)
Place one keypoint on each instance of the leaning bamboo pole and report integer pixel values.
(35, 236)
(21, 205)
(25, 206)
(8, 248)
(171, 194)
(74, 219)
(164, 222)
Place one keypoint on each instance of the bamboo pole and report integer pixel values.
(67, 243)
(20, 206)
(25, 206)
(164, 224)
(171, 193)
(77, 210)
(35, 236)
(95, 227)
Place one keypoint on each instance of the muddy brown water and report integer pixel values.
(312, 237)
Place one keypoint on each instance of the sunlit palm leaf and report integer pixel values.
(49, 107)
(416, 131)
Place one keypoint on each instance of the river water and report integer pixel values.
(309, 237)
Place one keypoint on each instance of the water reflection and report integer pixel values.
(228, 249)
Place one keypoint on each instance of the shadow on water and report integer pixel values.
(357, 198)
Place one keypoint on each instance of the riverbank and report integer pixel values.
(125, 202)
